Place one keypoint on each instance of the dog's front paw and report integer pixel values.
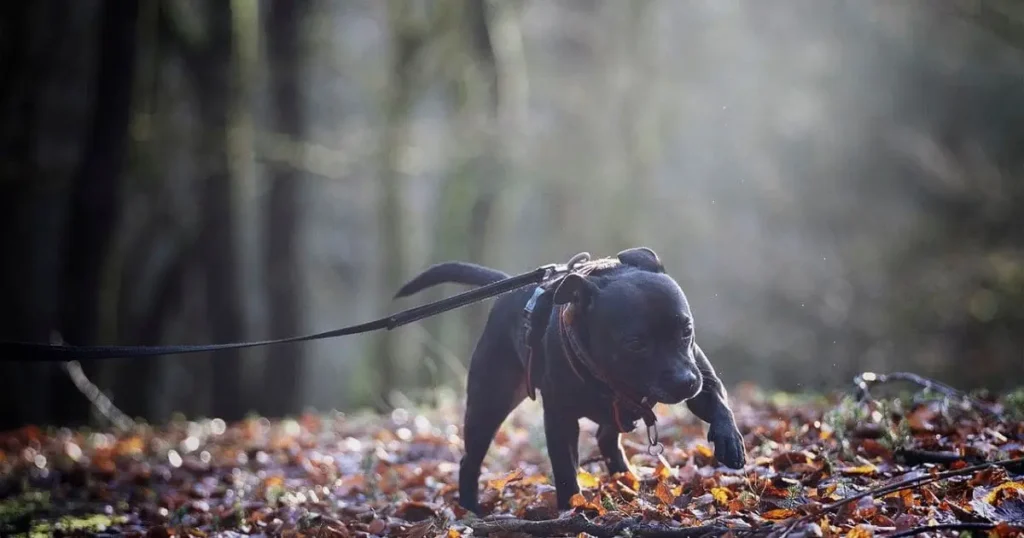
(729, 450)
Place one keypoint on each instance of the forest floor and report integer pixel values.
(817, 466)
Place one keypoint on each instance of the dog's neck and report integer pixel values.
(581, 361)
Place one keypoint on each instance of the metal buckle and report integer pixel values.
(533, 300)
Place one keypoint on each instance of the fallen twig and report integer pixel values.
(912, 457)
(865, 380)
(898, 486)
(577, 524)
(97, 398)
(948, 527)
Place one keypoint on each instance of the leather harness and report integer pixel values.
(536, 315)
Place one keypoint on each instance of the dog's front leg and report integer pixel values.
(711, 406)
(610, 445)
(563, 436)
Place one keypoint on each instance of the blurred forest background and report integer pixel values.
(836, 184)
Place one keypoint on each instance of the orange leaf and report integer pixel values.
(663, 469)
(577, 501)
(580, 502)
(1005, 530)
(779, 514)
(500, 483)
(663, 494)
(130, 446)
(535, 480)
(587, 480)
(704, 450)
(452, 533)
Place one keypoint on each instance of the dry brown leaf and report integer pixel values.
(785, 460)
(662, 492)
(500, 483)
(416, 511)
(779, 514)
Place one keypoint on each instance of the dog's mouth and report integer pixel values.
(674, 393)
(662, 396)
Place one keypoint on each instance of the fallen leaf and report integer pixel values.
(779, 514)
(587, 480)
(500, 483)
(704, 450)
(415, 511)
(785, 460)
(867, 469)
(662, 492)
(721, 495)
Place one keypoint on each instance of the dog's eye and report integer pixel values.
(687, 332)
(635, 345)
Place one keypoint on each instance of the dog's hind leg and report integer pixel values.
(610, 445)
(496, 385)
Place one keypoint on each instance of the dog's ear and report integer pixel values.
(574, 288)
(642, 258)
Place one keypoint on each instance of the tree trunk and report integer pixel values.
(286, 364)
(219, 249)
(490, 167)
(95, 195)
(406, 43)
(31, 35)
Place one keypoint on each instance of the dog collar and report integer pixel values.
(578, 359)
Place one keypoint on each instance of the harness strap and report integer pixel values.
(621, 396)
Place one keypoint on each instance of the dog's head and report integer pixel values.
(638, 325)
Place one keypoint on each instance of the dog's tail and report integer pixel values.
(455, 272)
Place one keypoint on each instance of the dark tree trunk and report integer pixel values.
(31, 35)
(286, 364)
(406, 44)
(490, 169)
(219, 242)
(135, 377)
(94, 208)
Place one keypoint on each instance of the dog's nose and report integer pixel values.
(681, 384)
(688, 380)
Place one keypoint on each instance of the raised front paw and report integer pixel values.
(728, 443)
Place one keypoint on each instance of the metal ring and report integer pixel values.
(656, 449)
(578, 259)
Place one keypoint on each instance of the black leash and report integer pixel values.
(37, 352)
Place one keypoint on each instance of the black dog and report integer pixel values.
(610, 342)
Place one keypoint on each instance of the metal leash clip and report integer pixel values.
(654, 446)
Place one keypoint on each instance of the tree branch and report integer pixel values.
(867, 379)
(948, 527)
(577, 524)
(898, 486)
